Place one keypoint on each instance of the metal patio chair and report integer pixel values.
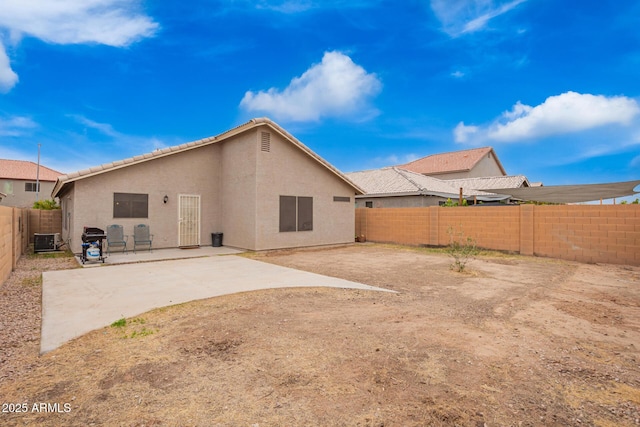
(116, 238)
(142, 236)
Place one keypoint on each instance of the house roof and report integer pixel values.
(454, 161)
(490, 182)
(21, 169)
(394, 181)
(253, 123)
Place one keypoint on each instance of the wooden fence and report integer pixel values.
(585, 233)
(17, 227)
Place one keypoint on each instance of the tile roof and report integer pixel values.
(490, 182)
(21, 169)
(454, 161)
(395, 181)
(96, 170)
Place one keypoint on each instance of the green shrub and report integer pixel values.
(47, 205)
(461, 248)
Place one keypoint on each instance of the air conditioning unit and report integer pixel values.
(46, 242)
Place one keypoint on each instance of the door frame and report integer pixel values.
(198, 219)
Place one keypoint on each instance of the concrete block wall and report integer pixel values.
(45, 221)
(608, 233)
(491, 227)
(585, 233)
(407, 226)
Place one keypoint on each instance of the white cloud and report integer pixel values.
(463, 133)
(8, 78)
(104, 128)
(109, 22)
(132, 143)
(336, 87)
(569, 112)
(459, 17)
(16, 126)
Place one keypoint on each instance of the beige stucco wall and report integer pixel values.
(487, 166)
(286, 170)
(67, 208)
(193, 172)
(238, 201)
(400, 201)
(240, 188)
(16, 196)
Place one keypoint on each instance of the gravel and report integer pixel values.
(21, 309)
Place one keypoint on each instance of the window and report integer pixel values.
(130, 205)
(7, 188)
(368, 204)
(341, 199)
(287, 213)
(296, 213)
(32, 187)
(305, 213)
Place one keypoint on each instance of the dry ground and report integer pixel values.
(515, 341)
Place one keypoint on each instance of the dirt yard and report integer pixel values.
(515, 341)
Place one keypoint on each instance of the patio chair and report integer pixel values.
(141, 236)
(116, 238)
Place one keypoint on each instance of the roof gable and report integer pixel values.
(251, 124)
(454, 161)
(25, 170)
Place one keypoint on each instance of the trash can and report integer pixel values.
(216, 240)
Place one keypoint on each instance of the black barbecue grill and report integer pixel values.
(92, 240)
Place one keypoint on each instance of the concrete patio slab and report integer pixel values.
(160, 255)
(77, 301)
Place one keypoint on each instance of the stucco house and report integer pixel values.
(393, 187)
(473, 163)
(19, 181)
(256, 184)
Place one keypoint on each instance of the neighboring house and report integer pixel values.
(393, 187)
(474, 163)
(18, 182)
(256, 184)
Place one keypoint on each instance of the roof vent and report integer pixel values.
(265, 141)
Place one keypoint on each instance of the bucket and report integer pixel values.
(216, 240)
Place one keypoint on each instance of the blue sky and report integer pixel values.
(552, 85)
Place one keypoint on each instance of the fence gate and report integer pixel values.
(189, 220)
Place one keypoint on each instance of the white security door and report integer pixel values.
(189, 220)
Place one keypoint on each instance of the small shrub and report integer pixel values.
(450, 203)
(46, 205)
(461, 248)
(120, 323)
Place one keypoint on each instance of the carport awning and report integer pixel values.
(571, 193)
